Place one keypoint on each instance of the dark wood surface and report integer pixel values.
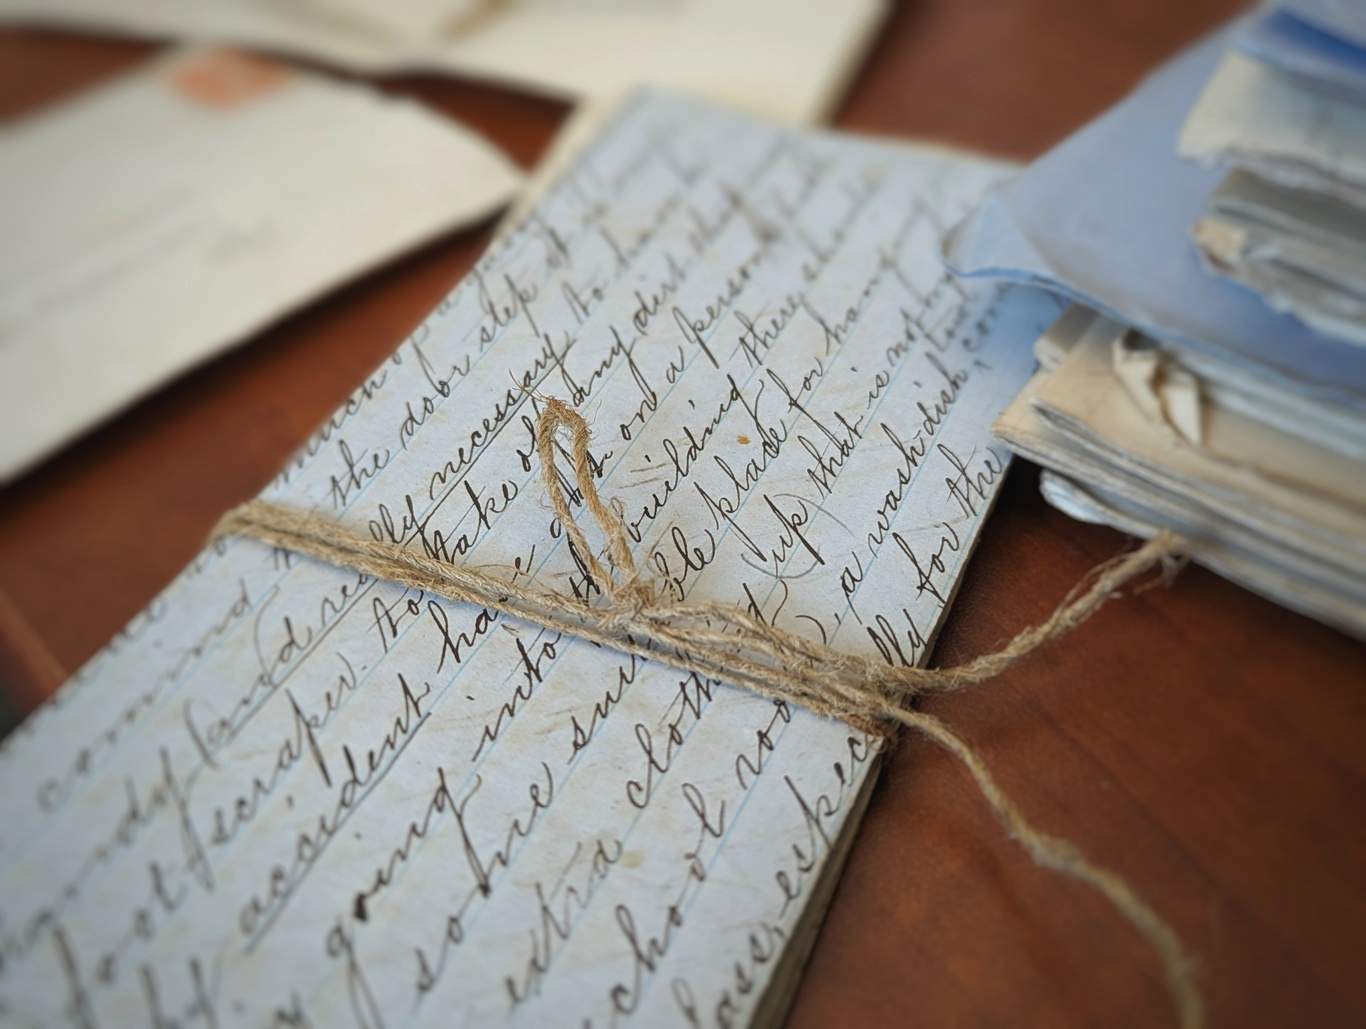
(1204, 743)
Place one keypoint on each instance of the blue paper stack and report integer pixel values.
(1288, 115)
(1210, 376)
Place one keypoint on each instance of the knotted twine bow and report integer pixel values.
(728, 643)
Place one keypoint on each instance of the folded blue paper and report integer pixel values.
(1295, 46)
(1105, 219)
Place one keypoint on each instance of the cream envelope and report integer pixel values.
(162, 219)
(782, 60)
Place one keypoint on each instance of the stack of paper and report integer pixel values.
(770, 57)
(290, 794)
(1170, 396)
(1290, 120)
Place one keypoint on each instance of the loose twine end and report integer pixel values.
(728, 643)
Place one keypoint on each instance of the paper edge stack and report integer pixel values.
(1143, 428)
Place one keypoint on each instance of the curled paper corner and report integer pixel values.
(1168, 396)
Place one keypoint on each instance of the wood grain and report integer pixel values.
(1203, 742)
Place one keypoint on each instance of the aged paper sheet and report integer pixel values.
(1302, 252)
(287, 794)
(781, 60)
(1263, 120)
(154, 222)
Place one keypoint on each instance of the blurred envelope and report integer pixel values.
(1105, 219)
(159, 220)
(774, 58)
(397, 19)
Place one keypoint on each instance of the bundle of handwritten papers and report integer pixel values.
(156, 221)
(771, 57)
(295, 794)
(1290, 219)
(1212, 377)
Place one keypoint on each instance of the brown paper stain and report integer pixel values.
(224, 79)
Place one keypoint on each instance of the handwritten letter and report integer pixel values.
(287, 794)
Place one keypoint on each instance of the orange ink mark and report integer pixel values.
(742, 439)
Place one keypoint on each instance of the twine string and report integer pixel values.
(732, 644)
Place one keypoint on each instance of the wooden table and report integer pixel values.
(1204, 743)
